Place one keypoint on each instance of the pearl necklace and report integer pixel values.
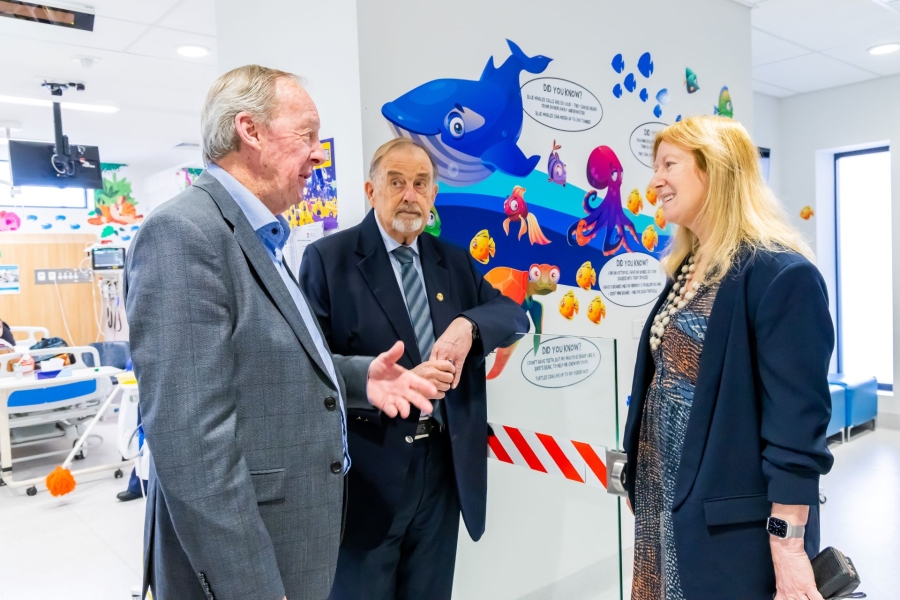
(684, 290)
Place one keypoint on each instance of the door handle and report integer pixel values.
(616, 461)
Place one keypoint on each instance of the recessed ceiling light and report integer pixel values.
(99, 108)
(192, 51)
(884, 48)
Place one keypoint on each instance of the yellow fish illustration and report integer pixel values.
(635, 202)
(660, 219)
(568, 306)
(482, 247)
(651, 195)
(596, 310)
(586, 276)
(650, 239)
(806, 213)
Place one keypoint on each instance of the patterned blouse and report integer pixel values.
(663, 425)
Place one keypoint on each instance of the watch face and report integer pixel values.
(777, 527)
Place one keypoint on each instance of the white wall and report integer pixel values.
(317, 41)
(406, 43)
(812, 127)
(766, 133)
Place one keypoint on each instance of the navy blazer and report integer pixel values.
(350, 284)
(756, 432)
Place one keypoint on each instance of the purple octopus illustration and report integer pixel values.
(556, 168)
(604, 171)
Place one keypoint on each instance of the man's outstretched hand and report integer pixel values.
(392, 388)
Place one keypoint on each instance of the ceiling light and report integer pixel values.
(192, 51)
(99, 108)
(884, 49)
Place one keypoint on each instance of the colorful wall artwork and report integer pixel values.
(320, 202)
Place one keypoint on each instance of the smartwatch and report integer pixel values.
(782, 529)
(475, 333)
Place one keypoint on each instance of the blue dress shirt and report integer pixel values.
(273, 232)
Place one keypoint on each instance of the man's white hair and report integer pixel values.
(250, 89)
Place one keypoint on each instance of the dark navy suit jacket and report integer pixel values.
(350, 284)
(756, 433)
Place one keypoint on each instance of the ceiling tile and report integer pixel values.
(108, 34)
(198, 16)
(161, 43)
(809, 73)
(823, 24)
(137, 11)
(771, 90)
(768, 48)
(857, 54)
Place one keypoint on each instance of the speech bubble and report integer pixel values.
(642, 141)
(632, 279)
(561, 104)
(561, 362)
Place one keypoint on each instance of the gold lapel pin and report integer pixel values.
(440, 297)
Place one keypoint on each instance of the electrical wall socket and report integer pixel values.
(61, 276)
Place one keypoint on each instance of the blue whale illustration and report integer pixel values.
(471, 128)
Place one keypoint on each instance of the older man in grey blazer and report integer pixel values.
(243, 404)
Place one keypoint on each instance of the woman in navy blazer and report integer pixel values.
(730, 399)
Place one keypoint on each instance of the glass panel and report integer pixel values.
(865, 282)
(39, 197)
(552, 529)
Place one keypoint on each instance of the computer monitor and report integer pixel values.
(32, 165)
(107, 259)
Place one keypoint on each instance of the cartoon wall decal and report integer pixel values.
(630, 83)
(114, 203)
(522, 287)
(556, 168)
(617, 90)
(806, 213)
(604, 172)
(586, 277)
(9, 221)
(641, 141)
(434, 223)
(75, 226)
(650, 238)
(659, 218)
(561, 104)
(516, 209)
(568, 305)
(635, 203)
(644, 95)
(618, 63)
(690, 81)
(657, 111)
(662, 96)
(596, 310)
(651, 195)
(60, 217)
(470, 127)
(724, 108)
(482, 247)
(645, 65)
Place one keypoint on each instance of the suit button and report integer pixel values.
(330, 403)
(337, 467)
(409, 439)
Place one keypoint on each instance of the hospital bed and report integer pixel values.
(32, 339)
(35, 410)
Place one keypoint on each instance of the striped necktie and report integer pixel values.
(417, 305)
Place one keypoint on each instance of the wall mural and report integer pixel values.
(541, 240)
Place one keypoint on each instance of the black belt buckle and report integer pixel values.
(427, 427)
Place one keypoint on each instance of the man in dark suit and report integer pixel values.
(370, 286)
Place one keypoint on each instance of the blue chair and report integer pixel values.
(861, 398)
(838, 411)
(112, 354)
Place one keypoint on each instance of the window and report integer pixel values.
(864, 281)
(39, 197)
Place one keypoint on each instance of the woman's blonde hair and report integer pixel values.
(739, 210)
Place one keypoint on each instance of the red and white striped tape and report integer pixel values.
(575, 461)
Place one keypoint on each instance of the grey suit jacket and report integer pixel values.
(239, 413)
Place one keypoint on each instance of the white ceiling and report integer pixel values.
(807, 45)
(136, 68)
(798, 46)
